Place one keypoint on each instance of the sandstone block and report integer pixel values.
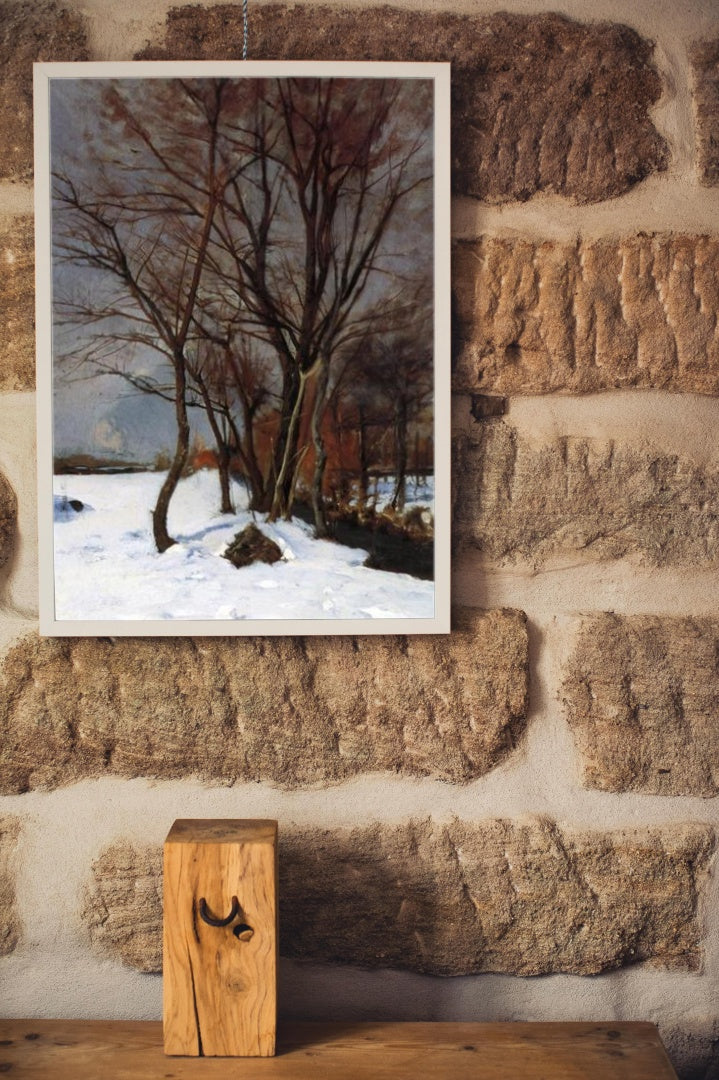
(9, 918)
(17, 304)
(29, 32)
(705, 61)
(570, 496)
(642, 698)
(123, 905)
(640, 311)
(287, 710)
(8, 520)
(539, 102)
(522, 897)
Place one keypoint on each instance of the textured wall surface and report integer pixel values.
(514, 499)
(17, 303)
(536, 100)
(292, 711)
(705, 55)
(534, 317)
(642, 698)
(42, 31)
(535, 794)
(9, 921)
(521, 897)
(8, 519)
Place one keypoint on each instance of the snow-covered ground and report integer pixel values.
(107, 567)
(381, 490)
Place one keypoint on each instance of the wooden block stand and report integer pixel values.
(220, 938)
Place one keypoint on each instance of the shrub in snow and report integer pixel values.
(250, 546)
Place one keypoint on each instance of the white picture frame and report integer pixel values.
(75, 598)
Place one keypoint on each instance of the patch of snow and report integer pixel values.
(107, 566)
(381, 490)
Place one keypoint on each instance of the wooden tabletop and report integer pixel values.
(120, 1050)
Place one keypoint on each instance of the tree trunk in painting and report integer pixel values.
(162, 538)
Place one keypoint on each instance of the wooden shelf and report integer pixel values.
(119, 1050)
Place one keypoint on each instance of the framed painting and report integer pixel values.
(243, 321)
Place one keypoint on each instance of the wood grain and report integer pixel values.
(219, 987)
(116, 1050)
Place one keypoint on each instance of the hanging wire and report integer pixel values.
(244, 29)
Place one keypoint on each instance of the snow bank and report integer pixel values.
(106, 565)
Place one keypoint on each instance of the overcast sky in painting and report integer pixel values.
(103, 415)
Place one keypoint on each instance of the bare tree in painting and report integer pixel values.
(359, 417)
(384, 390)
(304, 230)
(234, 381)
(403, 369)
(144, 220)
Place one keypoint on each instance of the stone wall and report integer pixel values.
(535, 794)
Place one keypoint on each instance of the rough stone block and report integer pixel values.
(123, 904)
(539, 102)
(29, 33)
(642, 698)
(521, 897)
(17, 304)
(520, 501)
(640, 311)
(705, 61)
(9, 918)
(289, 710)
(8, 520)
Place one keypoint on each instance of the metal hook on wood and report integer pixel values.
(211, 921)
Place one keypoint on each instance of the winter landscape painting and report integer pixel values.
(243, 371)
